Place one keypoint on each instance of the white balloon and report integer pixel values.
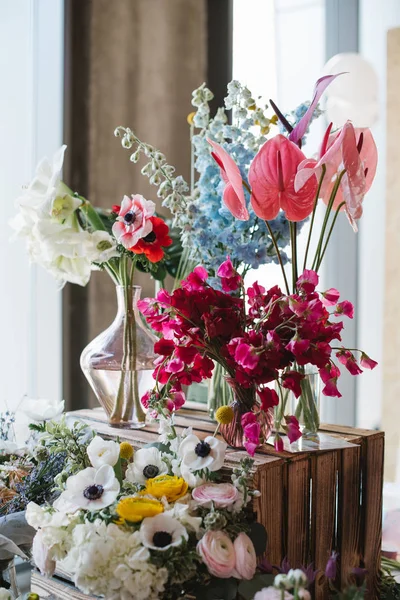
(353, 95)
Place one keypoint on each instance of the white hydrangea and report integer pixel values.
(108, 561)
(5, 594)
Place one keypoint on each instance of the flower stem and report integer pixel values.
(271, 233)
(329, 234)
(313, 216)
(293, 240)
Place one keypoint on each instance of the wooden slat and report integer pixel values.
(297, 511)
(349, 513)
(324, 472)
(269, 508)
(372, 478)
(55, 589)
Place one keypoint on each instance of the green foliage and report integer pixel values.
(217, 589)
(259, 537)
(182, 562)
(248, 589)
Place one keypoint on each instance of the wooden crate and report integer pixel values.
(311, 503)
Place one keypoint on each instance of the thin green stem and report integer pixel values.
(91, 215)
(313, 216)
(326, 219)
(271, 233)
(329, 235)
(293, 240)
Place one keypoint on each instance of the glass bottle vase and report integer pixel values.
(307, 407)
(119, 362)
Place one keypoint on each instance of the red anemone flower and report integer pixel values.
(153, 244)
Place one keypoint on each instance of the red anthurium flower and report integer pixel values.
(269, 398)
(248, 418)
(153, 244)
(233, 193)
(271, 176)
(330, 297)
(292, 428)
(308, 281)
(347, 359)
(367, 362)
(344, 308)
(291, 381)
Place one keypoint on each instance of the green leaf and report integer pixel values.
(248, 589)
(259, 537)
(160, 446)
(218, 589)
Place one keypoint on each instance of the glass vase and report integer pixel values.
(219, 391)
(306, 408)
(245, 401)
(119, 362)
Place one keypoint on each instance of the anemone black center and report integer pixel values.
(203, 449)
(93, 492)
(150, 471)
(129, 218)
(150, 237)
(162, 539)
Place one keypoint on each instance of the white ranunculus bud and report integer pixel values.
(297, 577)
(282, 582)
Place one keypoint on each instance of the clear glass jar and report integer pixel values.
(119, 362)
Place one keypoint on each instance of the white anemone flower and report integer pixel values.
(202, 454)
(42, 409)
(161, 532)
(103, 452)
(147, 463)
(90, 489)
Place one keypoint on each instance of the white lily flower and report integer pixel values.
(147, 463)
(103, 452)
(202, 454)
(161, 532)
(90, 489)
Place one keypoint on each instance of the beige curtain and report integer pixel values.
(144, 58)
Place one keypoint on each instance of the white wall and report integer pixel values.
(376, 17)
(31, 72)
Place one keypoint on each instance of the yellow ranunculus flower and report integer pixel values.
(171, 487)
(136, 509)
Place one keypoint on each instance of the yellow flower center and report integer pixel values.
(135, 509)
(125, 450)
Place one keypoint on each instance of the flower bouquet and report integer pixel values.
(260, 337)
(69, 237)
(155, 523)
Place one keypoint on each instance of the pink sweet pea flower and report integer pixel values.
(246, 356)
(164, 347)
(133, 221)
(308, 281)
(176, 400)
(251, 448)
(230, 278)
(269, 398)
(330, 297)
(271, 176)
(195, 281)
(247, 419)
(291, 381)
(367, 362)
(233, 195)
(292, 428)
(252, 432)
(347, 359)
(175, 365)
(344, 308)
(298, 346)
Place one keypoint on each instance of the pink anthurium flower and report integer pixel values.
(352, 150)
(233, 193)
(301, 127)
(271, 176)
